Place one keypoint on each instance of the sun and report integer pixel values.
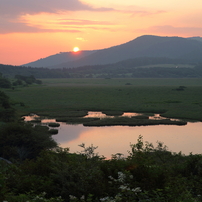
(76, 49)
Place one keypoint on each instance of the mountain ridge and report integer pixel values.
(62, 57)
(142, 46)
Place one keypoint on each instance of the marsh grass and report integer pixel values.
(75, 97)
(53, 131)
(126, 121)
(53, 124)
(35, 121)
(76, 120)
(113, 113)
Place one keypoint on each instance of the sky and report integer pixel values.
(34, 29)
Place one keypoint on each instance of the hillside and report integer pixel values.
(144, 57)
(59, 58)
(144, 67)
(189, 49)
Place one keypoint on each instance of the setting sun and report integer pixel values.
(75, 26)
(76, 49)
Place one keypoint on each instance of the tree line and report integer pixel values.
(18, 80)
(128, 68)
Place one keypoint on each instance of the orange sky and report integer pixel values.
(34, 29)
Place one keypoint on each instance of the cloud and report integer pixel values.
(12, 10)
(139, 11)
(59, 25)
(81, 39)
(83, 22)
(18, 27)
(146, 13)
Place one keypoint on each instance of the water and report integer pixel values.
(117, 139)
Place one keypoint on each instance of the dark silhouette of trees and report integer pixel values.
(7, 113)
(27, 79)
(22, 141)
(4, 82)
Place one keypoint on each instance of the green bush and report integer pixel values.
(22, 140)
(53, 131)
(148, 174)
(54, 124)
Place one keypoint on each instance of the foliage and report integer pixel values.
(27, 79)
(7, 113)
(148, 174)
(53, 131)
(4, 100)
(144, 67)
(5, 83)
(54, 124)
(21, 140)
(81, 95)
(132, 121)
(32, 198)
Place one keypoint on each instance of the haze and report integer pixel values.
(33, 29)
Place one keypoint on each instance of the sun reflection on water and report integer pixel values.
(117, 139)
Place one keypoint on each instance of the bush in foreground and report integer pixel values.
(20, 141)
(148, 174)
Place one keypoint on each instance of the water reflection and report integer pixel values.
(102, 115)
(96, 115)
(117, 139)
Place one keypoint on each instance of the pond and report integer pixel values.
(117, 139)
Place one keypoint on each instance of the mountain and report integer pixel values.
(198, 38)
(189, 49)
(59, 58)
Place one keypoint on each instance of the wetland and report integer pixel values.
(185, 138)
(110, 119)
(60, 98)
(108, 106)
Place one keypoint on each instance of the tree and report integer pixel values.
(6, 111)
(5, 83)
(22, 141)
(27, 79)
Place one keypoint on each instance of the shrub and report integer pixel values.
(23, 140)
(54, 124)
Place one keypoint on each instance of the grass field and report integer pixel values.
(58, 97)
(168, 66)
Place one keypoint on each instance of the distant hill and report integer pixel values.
(143, 67)
(59, 58)
(198, 38)
(189, 49)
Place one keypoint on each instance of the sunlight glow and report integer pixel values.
(76, 49)
(89, 24)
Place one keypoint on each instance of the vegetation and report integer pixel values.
(53, 131)
(62, 98)
(22, 141)
(54, 124)
(4, 83)
(34, 168)
(148, 174)
(20, 80)
(7, 112)
(131, 121)
(144, 67)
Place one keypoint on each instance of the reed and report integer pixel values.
(74, 98)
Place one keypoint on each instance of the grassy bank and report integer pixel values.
(176, 98)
